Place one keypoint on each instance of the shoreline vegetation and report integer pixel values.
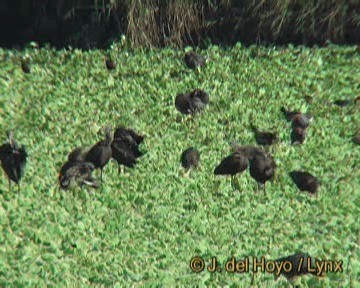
(90, 24)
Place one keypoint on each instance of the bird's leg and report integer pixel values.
(101, 172)
(9, 185)
(265, 188)
(236, 183)
(18, 187)
(232, 181)
(119, 169)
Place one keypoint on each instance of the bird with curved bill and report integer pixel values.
(231, 165)
(192, 102)
(13, 160)
(74, 173)
(305, 181)
(125, 147)
(110, 63)
(190, 159)
(101, 152)
(194, 61)
(262, 169)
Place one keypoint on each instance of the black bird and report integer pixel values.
(231, 165)
(110, 64)
(356, 138)
(25, 65)
(192, 102)
(199, 100)
(77, 173)
(13, 160)
(296, 260)
(301, 121)
(128, 134)
(101, 152)
(298, 135)
(297, 118)
(305, 181)
(194, 60)
(131, 137)
(125, 147)
(183, 104)
(264, 137)
(289, 115)
(190, 158)
(123, 153)
(262, 169)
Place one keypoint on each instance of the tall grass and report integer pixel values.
(306, 22)
(162, 23)
(157, 23)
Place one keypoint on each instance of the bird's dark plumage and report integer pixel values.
(13, 160)
(183, 104)
(232, 164)
(101, 152)
(78, 154)
(305, 181)
(123, 153)
(77, 173)
(25, 65)
(297, 259)
(297, 118)
(264, 137)
(301, 120)
(289, 115)
(110, 64)
(190, 158)
(199, 99)
(262, 168)
(131, 137)
(125, 147)
(192, 102)
(298, 135)
(194, 60)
